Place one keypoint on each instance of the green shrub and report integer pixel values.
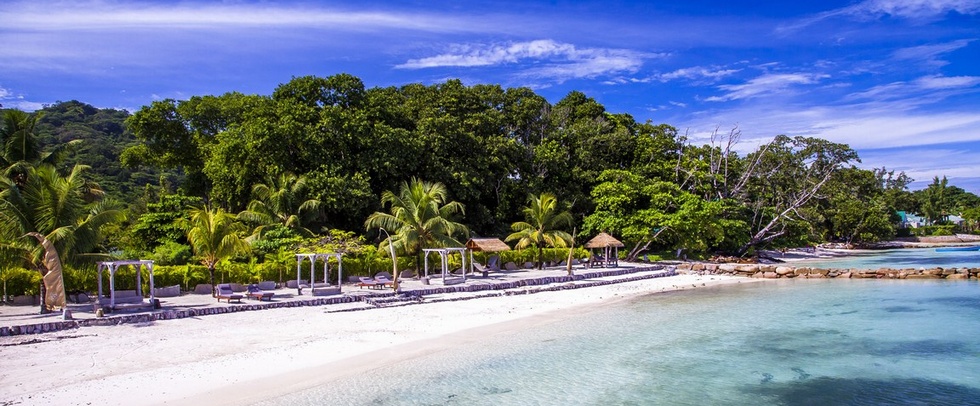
(936, 230)
(172, 253)
(554, 255)
(21, 281)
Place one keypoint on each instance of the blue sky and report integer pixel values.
(897, 80)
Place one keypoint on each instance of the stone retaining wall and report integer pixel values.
(786, 271)
(168, 314)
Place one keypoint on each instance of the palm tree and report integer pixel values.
(418, 217)
(542, 226)
(20, 148)
(280, 201)
(215, 235)
(56, 210)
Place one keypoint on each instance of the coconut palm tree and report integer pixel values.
(419, 217)
(65, 214)
(215, 235)
(19, 147)
(280, 201)
(542, 226)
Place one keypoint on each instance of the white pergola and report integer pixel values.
(320, 290)
(444, 253)
(112, 267)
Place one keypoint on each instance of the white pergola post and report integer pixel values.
(299, 262)
(113, 266)
(444, 260)
(326, 269)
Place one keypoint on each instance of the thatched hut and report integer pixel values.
(608, 247)
(492, 245)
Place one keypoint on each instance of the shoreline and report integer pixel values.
(247, 357)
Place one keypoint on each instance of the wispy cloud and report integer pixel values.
(9, 99)
(101, 15)
(930, 54)
(910, 9)
(482, 55)
(562, 60)
(766, 84)
(918, 11)
(696, 73)
(925, 90)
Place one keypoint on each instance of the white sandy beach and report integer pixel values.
(244, 357)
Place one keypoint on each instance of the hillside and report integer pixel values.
(104, 136)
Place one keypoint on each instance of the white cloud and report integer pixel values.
(474, 55)
(911, 9)
(696, 73)
(100, 15)
(766, 84)
(930, 54)
(561, 60)
(4, 93)
(923, 144)
(947, 82)
(923, 90)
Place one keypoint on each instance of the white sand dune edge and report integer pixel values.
(246, 357)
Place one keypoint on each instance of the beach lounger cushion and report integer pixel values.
(225, 292)
(369, 282)
(254, 292)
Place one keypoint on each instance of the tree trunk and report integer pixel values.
(44, 292)
(637, 249)
(571, 248)
(214, 288)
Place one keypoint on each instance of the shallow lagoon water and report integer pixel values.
(794, 342)
(907, 258)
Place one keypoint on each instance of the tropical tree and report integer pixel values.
(780, 179)
(419, 217)
(215, 235)
(935, 200)
(64, 213)
(20, 147)
(648, 212)
(280, 201)
(542, 228)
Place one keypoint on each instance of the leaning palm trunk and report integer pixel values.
(571, 248)
(52, 283)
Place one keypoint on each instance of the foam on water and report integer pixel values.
(780, 343)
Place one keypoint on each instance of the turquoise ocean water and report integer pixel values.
(909, 258)
(791, 342)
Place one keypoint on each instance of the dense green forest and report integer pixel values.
(238, 183)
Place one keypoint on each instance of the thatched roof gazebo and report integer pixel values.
(486, 245)
(609, 250)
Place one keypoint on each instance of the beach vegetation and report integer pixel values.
(281, 201)
(419, 216)
(215, 236)
(322, 163)
(544, 225)
(66, 211)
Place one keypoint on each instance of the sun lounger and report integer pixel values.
(225, 292)
(258, 294)
(384, 281)
(481, 269)
(369, 282)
